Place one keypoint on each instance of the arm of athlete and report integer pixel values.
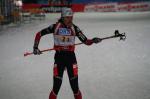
(38, 36)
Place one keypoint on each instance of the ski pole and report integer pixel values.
(30, 53)
(49, 49)
(117, 34)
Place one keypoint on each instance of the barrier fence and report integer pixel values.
(13, 11)
(107, 6)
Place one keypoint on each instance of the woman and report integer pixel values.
(64, 32)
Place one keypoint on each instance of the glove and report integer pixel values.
(36, 51)
(96, 40)
(89, 42)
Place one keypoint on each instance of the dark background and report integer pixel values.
(80, 1)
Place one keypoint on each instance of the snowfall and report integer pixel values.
(112, 69)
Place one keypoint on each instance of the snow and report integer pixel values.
(112, 69)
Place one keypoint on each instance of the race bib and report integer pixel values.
(64, 40)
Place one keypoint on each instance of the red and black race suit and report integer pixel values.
(64, 40)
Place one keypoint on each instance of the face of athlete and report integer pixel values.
(68, 20)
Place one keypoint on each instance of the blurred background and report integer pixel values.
(18, 11)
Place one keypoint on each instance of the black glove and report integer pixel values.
(96, 40)
(36, 51)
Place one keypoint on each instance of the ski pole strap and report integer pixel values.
(121, 35)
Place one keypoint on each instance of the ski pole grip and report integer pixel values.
(27, 53)
(117, 33)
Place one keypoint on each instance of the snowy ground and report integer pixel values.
(112, 69)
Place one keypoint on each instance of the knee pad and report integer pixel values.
(75, 69)
(55, 70)
(58, 70)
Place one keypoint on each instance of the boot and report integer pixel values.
(52, 95)
(78, 95)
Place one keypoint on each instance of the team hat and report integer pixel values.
(66, 12)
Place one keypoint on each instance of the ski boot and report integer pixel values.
(52, 95)
(78, 95)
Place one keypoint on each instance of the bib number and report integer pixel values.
(65, 39)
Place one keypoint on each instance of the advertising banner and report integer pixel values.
(139, 6)
(102, 7)
(115, 7)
